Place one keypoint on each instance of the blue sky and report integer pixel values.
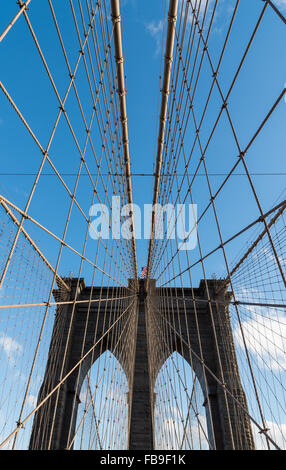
(261, 80)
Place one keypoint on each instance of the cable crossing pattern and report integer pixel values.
(191, 355)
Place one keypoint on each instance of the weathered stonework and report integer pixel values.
(218, 352)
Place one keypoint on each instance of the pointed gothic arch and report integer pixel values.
(180, 422)
(100, 397)
(79, 337)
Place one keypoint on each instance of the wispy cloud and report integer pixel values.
(264, 331)
(172, 430)
(155, 29)
(32, 400)
(277, 431)
(280, 3)
(266, 339)
(10, 347)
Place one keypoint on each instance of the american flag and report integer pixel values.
(144, 271)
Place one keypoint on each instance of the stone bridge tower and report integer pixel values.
(55, 421)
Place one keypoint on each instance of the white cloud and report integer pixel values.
(170, 434)
(276, 432)
(264, 330)
(198, 432)
(265, 338)
(156, 28)
(171, 431)
(280, 3)
(84, 396)
(156, 31)
(269, 254)
(32, 400)
(10, 347)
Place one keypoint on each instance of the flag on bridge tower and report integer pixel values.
(144, 272)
